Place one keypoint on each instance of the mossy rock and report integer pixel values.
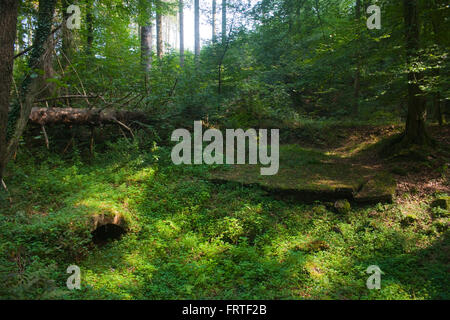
(380, 188)
(441, 202)
(342, 206)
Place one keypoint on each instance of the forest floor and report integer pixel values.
(352, 163)
(191, 238)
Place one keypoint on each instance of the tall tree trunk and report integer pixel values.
(67, 46)
(67, 36)
(357, 84)
(436, 17)
(181, 12)
(213, 21)
(90, 26)
(159, 39)
(438, 109)
(146, 47)
(197, 28)
(146, 51)
(8, 25)
(415, 132)
(30, 85)
(224, 21)
(46, 64)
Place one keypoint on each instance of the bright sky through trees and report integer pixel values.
(205, 25)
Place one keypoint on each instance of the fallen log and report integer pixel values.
(77, 116)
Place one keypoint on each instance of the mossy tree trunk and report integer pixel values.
(18, 117)
(8, 25)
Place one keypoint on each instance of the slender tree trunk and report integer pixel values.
(197, 28)
(146, 47)
(146, 39)
(20, 33)
(181, 9)
(219, 73)
(357, 84)
(438, 108)
(224, 21)
(146, 52)
(90, 27)
(67, 46)
(30, 85)
(436, 17)
(67, 36)
(159, 39)
(213, 21)
(8, 25)
(415, 122)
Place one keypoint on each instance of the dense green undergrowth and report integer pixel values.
(191, 239)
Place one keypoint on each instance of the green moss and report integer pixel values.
(409, 219)
(442, 202)
(191, 239)
(441, 224)
(342, 206)
(380, 188)
(319, 210)
(302, 171)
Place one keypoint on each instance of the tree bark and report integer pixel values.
(46, 64)
(436, 17)
(159, 39)
(415, 132)
(146, 52)
(67, 36)
(8, 25)
(30, 85)
(90, 27)
(146, 47)
(224, 21)
(197, 28)
(357, 84)
(438, 108)
(77, 116)
(213, 21)
(181, 12)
